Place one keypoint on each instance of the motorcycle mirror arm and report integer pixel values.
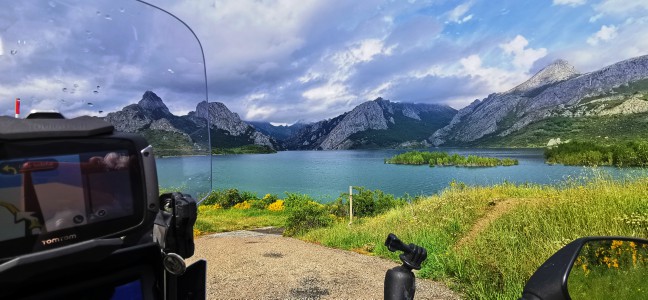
(550, 279)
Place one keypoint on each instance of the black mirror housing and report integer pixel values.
(550, 280)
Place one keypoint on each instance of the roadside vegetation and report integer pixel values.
(630, 154)
(231, 209)
(444, 159)
(482, 241)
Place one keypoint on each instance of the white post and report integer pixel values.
(350, 204)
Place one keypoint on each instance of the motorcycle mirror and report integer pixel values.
(592, 268)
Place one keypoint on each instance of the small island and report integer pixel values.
(247, 149)
(444, 159)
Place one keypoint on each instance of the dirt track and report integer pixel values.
(253, 265)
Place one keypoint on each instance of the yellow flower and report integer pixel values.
(276, 206)
(243, 205)
(204, 208)
(616, 244)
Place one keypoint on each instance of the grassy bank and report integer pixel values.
(487, 241)
(483, 241)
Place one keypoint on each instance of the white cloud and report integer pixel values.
(569, 2)
(457, 14)
(630, 40)
(622, 7)
(523, 57)
(365, 51)
(496, 79)
(259, 112)
(605, 34)
(1, 47)
(327, 92)
(595, 18)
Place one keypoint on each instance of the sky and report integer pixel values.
(285, 61)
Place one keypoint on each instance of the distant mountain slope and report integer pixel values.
(373, 124)
(279, 133)
(555, 90)
(178, 135)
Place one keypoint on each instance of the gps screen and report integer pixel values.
(45, 194)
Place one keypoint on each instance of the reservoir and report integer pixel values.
(326, 174)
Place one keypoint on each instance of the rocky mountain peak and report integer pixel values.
(221, 117)
(152, 102)
(557, 71)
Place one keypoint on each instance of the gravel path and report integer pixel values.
(255, 265)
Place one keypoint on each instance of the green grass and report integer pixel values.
(222, 220)
(487, 241)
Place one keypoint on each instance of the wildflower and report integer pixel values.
(616, 244)
(204, 208)
(243, 205)
(276, 206)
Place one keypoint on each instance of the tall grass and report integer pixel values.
(487, 241)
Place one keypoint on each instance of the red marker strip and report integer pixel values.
(17, 107)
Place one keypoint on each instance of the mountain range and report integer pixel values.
(555, 91)
(613, 97)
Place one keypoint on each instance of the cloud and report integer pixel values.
(622, 7)
(457, 15)
(595, 18)
(572, 3)
(523, 57)
(605, 34)
(628, 39)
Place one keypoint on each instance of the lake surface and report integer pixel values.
(326, 174)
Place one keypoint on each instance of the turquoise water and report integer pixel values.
(326, 174)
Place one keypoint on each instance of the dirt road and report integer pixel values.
(254, 265)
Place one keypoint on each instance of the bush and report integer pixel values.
(366, 203)
(225, 199)
(304, 214)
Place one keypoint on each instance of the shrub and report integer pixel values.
(225, 199)
(366, 203)
(306, 217)
(304, 214)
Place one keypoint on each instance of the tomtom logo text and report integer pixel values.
(59, 239)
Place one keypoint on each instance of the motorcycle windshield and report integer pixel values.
(127, 62)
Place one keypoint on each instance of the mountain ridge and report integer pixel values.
(504, 113)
